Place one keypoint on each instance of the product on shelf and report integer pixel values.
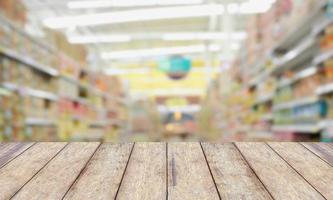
(14, 9)
(43, 106)
(279, 35)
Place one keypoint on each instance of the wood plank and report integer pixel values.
(188, 173)
(9, 151)
(103, 173)
(279, 178)
(317, 172)
(233, 177)
(145, 176)
(323, 150)
(16, 173)
(53, 181)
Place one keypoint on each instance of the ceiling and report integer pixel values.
(146, 34)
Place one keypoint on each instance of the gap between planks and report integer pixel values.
(292, 167)
(123, 175)
(55, 155)
(82, 170)
(210, 171)
(322, 151)
(166, 172)
(254, 172)
(4, 161)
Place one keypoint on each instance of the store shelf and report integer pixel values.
(260, 135)
(325, 89)
(320, 27)
(80, 100)
(42, 94)
(257, 68)
(84, 86)
(71, 80)
(267, 117)
(99, 123)
(322, 57)
(301, 53)
(295, 103)
(40, 122)
(302, 29)
(261, 77)
(296, 56)
(326, 123)
(87, 137)
(31, 92)
(116, 122)
(4, 92)
(309, 71)
(299, 128)
(264, 99)
(28, 61)
(18, 28)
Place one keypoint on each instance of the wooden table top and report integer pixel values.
(184, 171)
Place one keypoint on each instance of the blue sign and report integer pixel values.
(176, 67)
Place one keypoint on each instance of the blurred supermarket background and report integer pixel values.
(166, 70)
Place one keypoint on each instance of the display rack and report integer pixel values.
(298, 53)
(286, 92)
(51, 109)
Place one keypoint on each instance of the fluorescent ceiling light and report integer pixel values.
(233, 8)
(117, 71)
(235, 46)
(158, 52)
(89, 39)
(254, 6)
(214, 47)
(186, 109)
(171, 92)
(250, 7)
(88, 4)
(135, 15)
(205, 36)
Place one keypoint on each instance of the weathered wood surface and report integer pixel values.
(280, 179)
(8, 151)
(323, 150)
(53, 181)
(317, 172)
(145, 176)
(233, 177)
(19, 171)
(76, 171)
(103, 174)
(188, 173)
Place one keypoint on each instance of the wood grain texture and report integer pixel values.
(16, 173)
(189, 177)
(280, 179)
(103, 174)
(317, 172)
(323, 150)
(145, 176)
(9, 151)
(53, 181)
(233, 177)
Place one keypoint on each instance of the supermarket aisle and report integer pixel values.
(158, 70)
